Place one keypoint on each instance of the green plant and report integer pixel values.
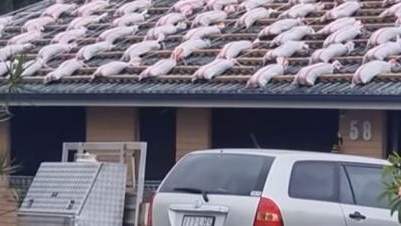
(13, 82)
(6, 166)
(19, 195)
(391, 180)
(6, 192)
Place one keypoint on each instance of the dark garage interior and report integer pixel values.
(37, 134)
(275, 128)
(157, 128)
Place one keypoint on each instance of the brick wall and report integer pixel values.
(193, 130)
(364, 132)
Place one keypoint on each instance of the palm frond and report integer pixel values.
(6, 166)
(13, 83)
(15, 71)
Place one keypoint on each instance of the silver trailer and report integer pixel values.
(75, 194)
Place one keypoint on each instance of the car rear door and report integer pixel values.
(312, 195)
(366, 209)
(212, 189)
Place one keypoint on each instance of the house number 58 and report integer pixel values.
(357, 129)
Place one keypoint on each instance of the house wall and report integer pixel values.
(193, 130)
(363, 132)
(5, 136)
(111, 124)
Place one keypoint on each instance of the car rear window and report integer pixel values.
(314, 180)
(233, 174)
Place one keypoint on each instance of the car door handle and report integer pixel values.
(357, 216)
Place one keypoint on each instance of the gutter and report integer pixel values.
(298, 101)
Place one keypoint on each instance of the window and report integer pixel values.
(345, 191)
(365, 184)
(233, 174)
(314, 180)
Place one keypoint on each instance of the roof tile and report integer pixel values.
(178, 80)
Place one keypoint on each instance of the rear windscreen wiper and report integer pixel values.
(195, 191)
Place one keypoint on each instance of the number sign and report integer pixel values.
(360, 130)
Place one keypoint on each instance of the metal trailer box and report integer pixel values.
(75, 194)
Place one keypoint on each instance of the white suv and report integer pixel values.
(256, 187)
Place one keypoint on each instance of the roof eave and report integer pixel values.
(305, 101)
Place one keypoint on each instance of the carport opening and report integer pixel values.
(38, 133)
(301, 129)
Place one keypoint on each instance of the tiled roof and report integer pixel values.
(180, 79)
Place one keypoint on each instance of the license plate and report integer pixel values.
(198, 221)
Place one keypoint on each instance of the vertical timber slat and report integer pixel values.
(193, 130)
(111, 124)
(5, 136)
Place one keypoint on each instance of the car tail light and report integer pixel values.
(150, 211)
(268, 214)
